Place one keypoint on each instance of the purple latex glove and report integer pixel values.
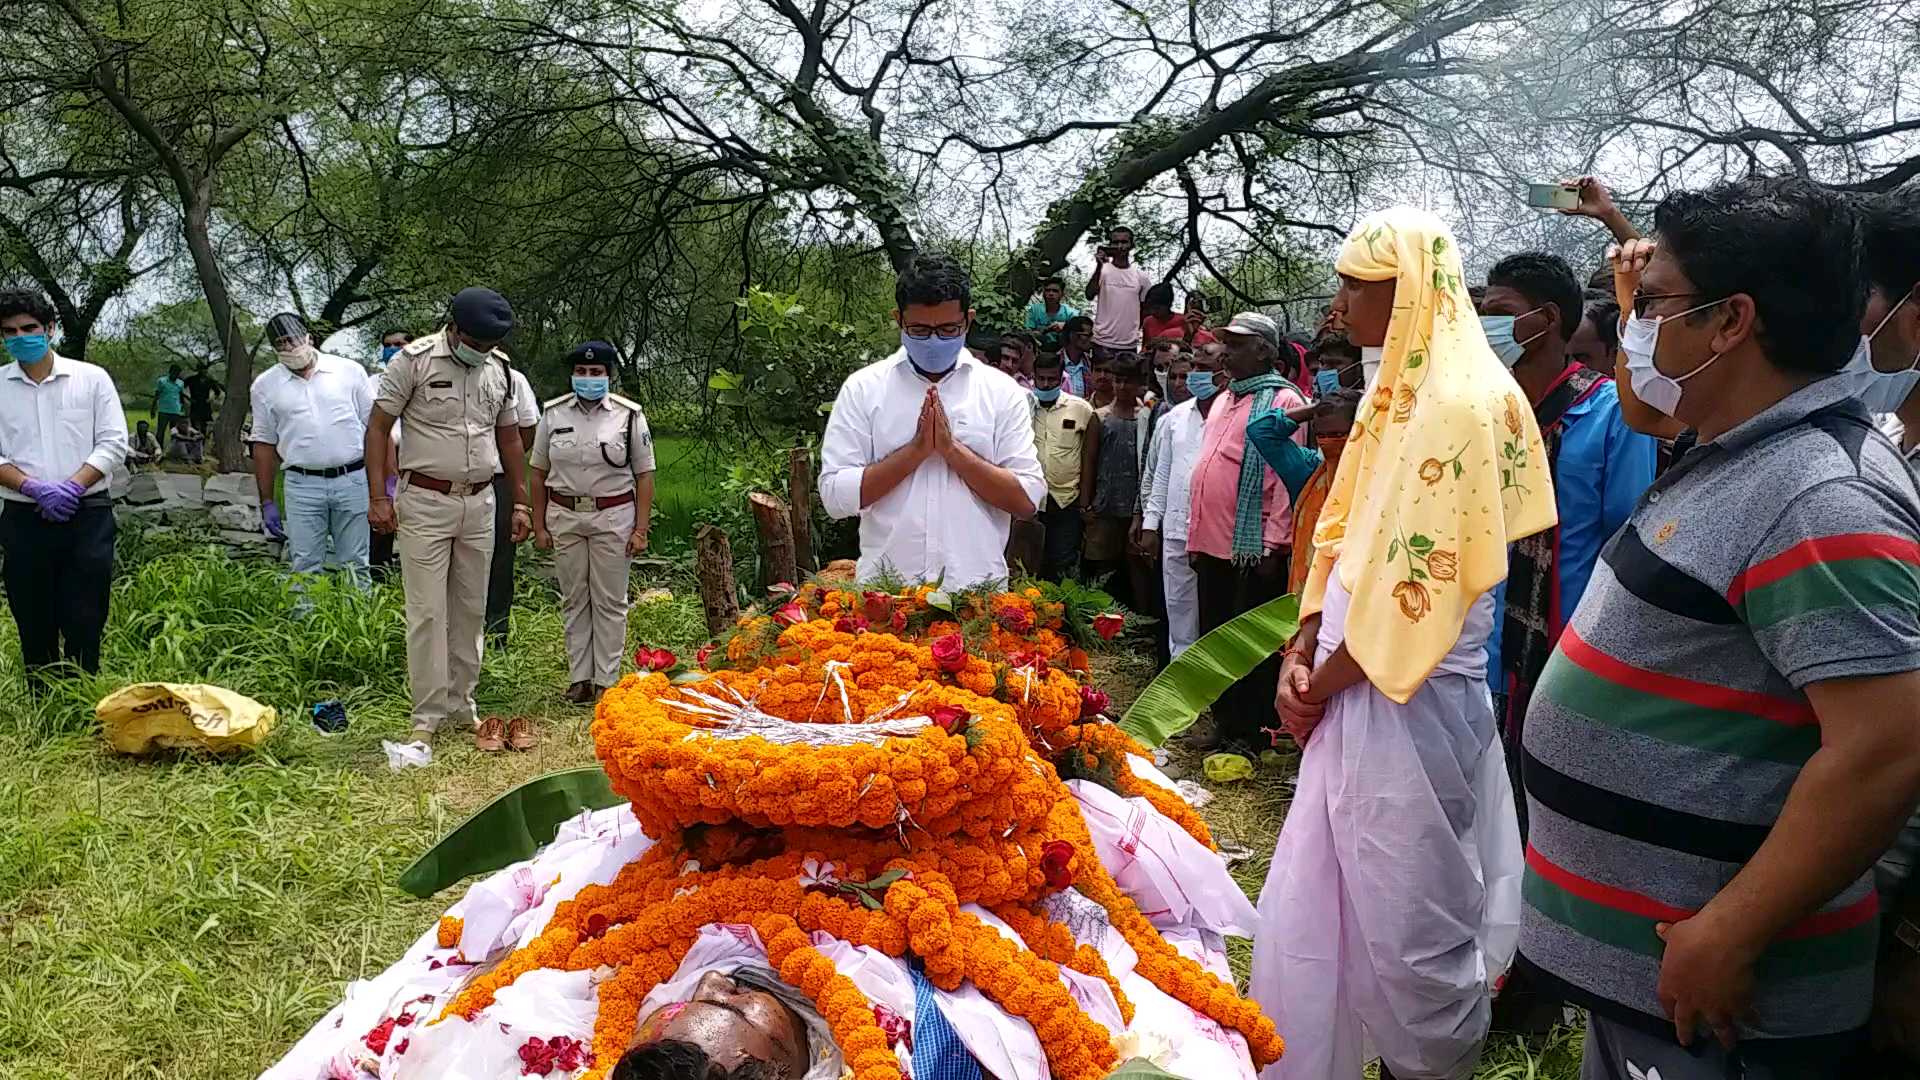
(54, 501)
(393, 484)
(270, 520)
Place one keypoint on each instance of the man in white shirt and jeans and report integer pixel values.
(933, 449)
(1117, 289)
(310, 415)
(1167, 495)
(62, 433)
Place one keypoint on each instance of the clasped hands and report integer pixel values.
(1300, 710)
(934, 436)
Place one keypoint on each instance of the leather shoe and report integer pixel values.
(490, 736)
(520, 734)
(579, 693)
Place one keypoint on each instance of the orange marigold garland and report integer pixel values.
(770, 811)
(1100, 751)
(447, 934)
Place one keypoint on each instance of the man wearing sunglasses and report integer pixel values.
(931, 448)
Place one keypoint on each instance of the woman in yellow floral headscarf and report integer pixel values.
(1393, 900)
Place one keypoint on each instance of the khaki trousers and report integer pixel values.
(445, 544)
(590, 557)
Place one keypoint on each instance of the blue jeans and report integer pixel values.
(326, 522)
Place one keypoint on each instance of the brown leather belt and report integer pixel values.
(577, 503)
(447, 487)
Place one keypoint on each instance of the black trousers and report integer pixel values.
(1061, 547)
(500, 573)
(58, 577)
(1226, 590)
(380, 554)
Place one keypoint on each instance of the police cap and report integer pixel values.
(482, 314)
(593, 352)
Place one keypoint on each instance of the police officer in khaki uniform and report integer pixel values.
(592, 505)
(452, 390)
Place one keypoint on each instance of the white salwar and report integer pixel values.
(1182, 887)
(1393, 904)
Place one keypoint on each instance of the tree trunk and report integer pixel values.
(770, 520)
(227, 446)
(800, 495)
(713, 564)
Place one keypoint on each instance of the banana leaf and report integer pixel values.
(1175, 697)
(510, 828)
(1139, 1069)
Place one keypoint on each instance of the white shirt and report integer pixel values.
(931, 526)
(49, 429)
(526, 408)
(314, 422)
(1166, 493)
(1116, 308)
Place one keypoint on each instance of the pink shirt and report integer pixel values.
(1216, 480)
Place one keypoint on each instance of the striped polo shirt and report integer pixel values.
(1671, 720)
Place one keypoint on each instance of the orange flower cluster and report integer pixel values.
(876, 845)
(1106, 751)
(447, 934)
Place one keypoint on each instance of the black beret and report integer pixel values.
(482, 314)
(593, 352)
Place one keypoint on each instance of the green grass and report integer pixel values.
(188, 918)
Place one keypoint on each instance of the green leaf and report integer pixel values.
(940, 600)
(724, 380)
(1419, 574)
(1222, 657)
(868, 899)
(1139, 1069)
(510, 828)
(1415, 360)
(1393, 549)
(1420, 542)
(880, 883)
(1458, 469)
(1439, 245)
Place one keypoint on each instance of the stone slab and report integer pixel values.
(239, 518)
(231, 489)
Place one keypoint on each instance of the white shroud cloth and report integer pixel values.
(1184, 888)
(1393, 903)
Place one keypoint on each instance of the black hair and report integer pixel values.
(1476, 293)
(981, 338)
(1890, 242)
(390, 331)
(1111, 229)
(1129, 366)
(1157, 344)
(1161, 293)
(26, 302)
(1054, 280)
(1790, 244)
(1334, 344)
(1603, 311)
(1019, 337)
(173, 369)
(1602, 278)
(672, 1059)
(933, 278)
(1543, 279)
(1077, 324)
(1049, 361)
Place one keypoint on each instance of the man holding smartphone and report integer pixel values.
(1117, 289)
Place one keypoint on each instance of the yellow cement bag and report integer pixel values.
(145, 717)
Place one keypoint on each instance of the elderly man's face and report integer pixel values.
(733, 1023)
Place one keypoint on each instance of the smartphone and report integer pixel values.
(1553, 196)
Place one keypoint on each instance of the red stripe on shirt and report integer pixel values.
(1818, 924)
(1822, 549)
(1673, 687)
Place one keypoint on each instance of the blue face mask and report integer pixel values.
(1047, 396)
(934, 355)
(590, 387)
(27, 348)
(1499, 331)
(1325, 382)
(1200, 385)
(388, 352)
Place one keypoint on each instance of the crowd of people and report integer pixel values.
(1609, 659)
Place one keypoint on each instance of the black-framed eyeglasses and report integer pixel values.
(1641, 300)
(921, 332)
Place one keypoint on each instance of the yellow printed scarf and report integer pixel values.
(1444, 466)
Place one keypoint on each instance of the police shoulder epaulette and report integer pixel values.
(419, 346)
(561, 400)
(624, 402)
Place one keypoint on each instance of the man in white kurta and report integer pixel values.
(932, 449)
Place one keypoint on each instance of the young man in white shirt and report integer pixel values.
(1117, 288)
(526, 409)
(931, 448)
(62, 433)
(310, 417)
(1168, 496)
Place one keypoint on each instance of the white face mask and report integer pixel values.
(298, 357)
(1639, 339)
(1371, 356)
(1882, 391)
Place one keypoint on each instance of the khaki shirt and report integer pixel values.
(592, 447)
(1059, 434)
(450, 410)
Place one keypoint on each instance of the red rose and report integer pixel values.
(653, 659)
(1108, 626)
(895, 1027)
(701, 654)
(949, 717)
(878, 606)
(950, 653)
(1092, 702)
(898, 621)
(1016, 621)
(791, 615)
(596, 925)
(850, 624)
(662, 660)
(1056, 862)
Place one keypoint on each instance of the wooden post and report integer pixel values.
(713, 562)
(800, 496)
(770, 518)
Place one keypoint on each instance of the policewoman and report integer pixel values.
(452, 391)
(592, 505)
